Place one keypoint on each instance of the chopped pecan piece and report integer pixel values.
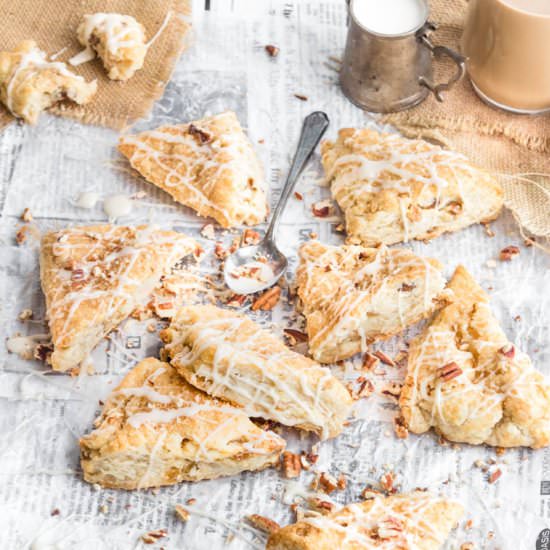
(292, 466)
(201, 135)
(181, 512)
(27, 216)
(508, 351)
(361, 388)
(400, 427)
(369, 360)
(509, 253)
(386, 359)
(250, 237)
(301, 97)
(153, 536)
(387, 483)
(268, 300)
(263, 524)
(495, 475)
(298, 196)
(449, 371)
(294, 336)
(273, 51)
(322, 209)
(327, 483)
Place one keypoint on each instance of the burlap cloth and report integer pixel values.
(505, 144)
(53, 23)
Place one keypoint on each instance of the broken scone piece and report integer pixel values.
(416, 521)
(469, 382)
(119, 40)
(229, 356)
(352, 295)
(30, 84)
(392, 189)
(155, 429)
(93, 277)
(208, 165)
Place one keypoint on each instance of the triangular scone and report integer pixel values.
(208, 165)
(155, 429)
(351, 295)
(29, 83)
(466, 380)
(95, 276)
(229, 356)
(415, 521)
(392, 189)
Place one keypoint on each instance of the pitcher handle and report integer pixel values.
(439, 51)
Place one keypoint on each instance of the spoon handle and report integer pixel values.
(313, 129)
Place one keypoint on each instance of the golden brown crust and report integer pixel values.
(469, 382)
(229, 356)
(394, 189)
(29, 83)
(352, 295)
(93, 277)
(400, 522)
(208, 165)
(155, 429)
(119, 40)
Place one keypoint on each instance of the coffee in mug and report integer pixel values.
(507, 45)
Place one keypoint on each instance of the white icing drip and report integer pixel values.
(87, 200)
(117, 206)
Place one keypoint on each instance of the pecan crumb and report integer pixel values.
(294, 336)
(273, 51)
(268, 300)
(322, 209)
(25, 315)
(21, 235)
(509, 253)
(387, 483)
(495, 475)
(153, 536)
(55, 512)
(292, 466)
(369, 360)
(508, 351)
(181, 512)
(467, 546)
(360, 388)
(250, 237)
(263, 524)
(27, 216)
(298, 196)
(301, 97)
(327, 483)
(368, 493)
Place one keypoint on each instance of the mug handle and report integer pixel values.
(439, 51)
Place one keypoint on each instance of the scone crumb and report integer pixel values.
(488, 231)
(208, 232)
(25, 315)
(153, 536)
(467, 546)
(191, 501)
(181, 512)
(262, 523)
(250, 237)
(368, 493)
(291, 464)
(389, 528)
(27, 216)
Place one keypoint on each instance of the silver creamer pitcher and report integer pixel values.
(387, 73)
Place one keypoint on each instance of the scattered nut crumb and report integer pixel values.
(327, 483)
(386, 359)
(387, 483)
(272, 51)
(301, 97)
(298, 196)
(55, 512)
(181, 512)
(263, 524)
(25, 315)
(400, 427)
(21, 235)
(495, 475)
(27, 216)
(268, 300)
(291, 464)
(509, 253)
(153, 536)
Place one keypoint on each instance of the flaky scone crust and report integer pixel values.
(155, 429)
(352, 295)
(469, 382)
(29, 84)
(94, 276)
(208, 165)
(416, 521)
(229, 356)
(392, 189)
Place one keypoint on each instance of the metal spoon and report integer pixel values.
(273, 262)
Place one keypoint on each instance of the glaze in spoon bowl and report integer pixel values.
(254, 268)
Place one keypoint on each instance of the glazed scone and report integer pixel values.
(30, 84)
(119, 40)
(208, 165)
(352, 295)
(155, 429)
(93, 277)
(392, 189)
(229, 356)
(466, 379)
(414, 521)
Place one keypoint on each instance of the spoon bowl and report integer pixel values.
(255, 268)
